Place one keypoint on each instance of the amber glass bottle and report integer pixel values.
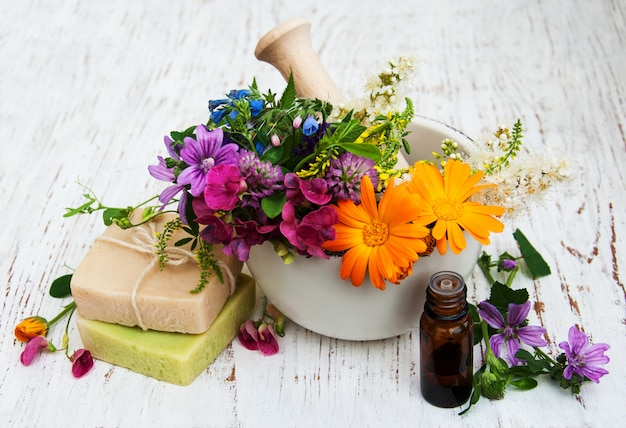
(446, 342)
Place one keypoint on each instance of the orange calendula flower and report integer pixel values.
(447, 206)
(383, 239)
(31, 327)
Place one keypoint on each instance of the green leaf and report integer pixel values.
(353, 132)
(520, 371)
(289, 96)
(273, 204)
(501, 296)
(535, 262)
(367, 150)
(78, 210)
(60, 287)
(525, 383)
(524, 355)
(273, 155)
(111, 214)
(182, 242)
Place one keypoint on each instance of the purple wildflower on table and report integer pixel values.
(345, 173)
(202, 154)
(511, 332)
(584, 359)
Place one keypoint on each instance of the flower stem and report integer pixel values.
(483, 327)
(545, 356)
(509, 280)
(65, 310)
(485, 269)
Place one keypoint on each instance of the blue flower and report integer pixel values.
(310, 126)
(217, 114)
(256, 106)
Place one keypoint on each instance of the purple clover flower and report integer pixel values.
(202, 154)
(262, 178)
(511, 333)
(345, 173)
(583, 359)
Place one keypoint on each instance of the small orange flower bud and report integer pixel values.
(31, 327)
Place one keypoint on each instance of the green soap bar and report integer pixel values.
(171, 357)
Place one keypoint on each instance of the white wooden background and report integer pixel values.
(88, 89)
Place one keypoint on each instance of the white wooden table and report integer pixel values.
(88, 89)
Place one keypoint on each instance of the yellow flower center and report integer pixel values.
(446, 209)
(375, 234)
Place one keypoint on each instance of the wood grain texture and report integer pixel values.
(88, 89)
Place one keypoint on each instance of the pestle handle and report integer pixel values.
(288, 48)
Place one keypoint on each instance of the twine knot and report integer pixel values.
(144, 239)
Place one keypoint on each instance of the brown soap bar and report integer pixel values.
(103, 283)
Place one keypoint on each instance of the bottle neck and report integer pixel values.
(446, 296)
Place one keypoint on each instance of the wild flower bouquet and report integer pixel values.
(317, 182)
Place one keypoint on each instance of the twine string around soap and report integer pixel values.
(144, 239)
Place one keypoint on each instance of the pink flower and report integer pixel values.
(297, 121)
(224, 184)
(249, 336)
(82, 362)
(33, 347)
(268, 344)
(314, 190)
(308, 234)
(262, 339)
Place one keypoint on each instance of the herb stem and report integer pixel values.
(509, 280)
(485, 269)
(65, 310)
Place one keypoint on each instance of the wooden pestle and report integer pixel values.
(288, 48)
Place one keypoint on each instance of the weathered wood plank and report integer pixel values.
(88, 89)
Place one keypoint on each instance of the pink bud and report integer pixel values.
(297, 122)
(275, 140)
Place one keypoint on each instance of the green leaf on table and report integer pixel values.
(535, 262)
(525, 383)
(60, 287)
(501, 296)
(534, 365)
(273, 204)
